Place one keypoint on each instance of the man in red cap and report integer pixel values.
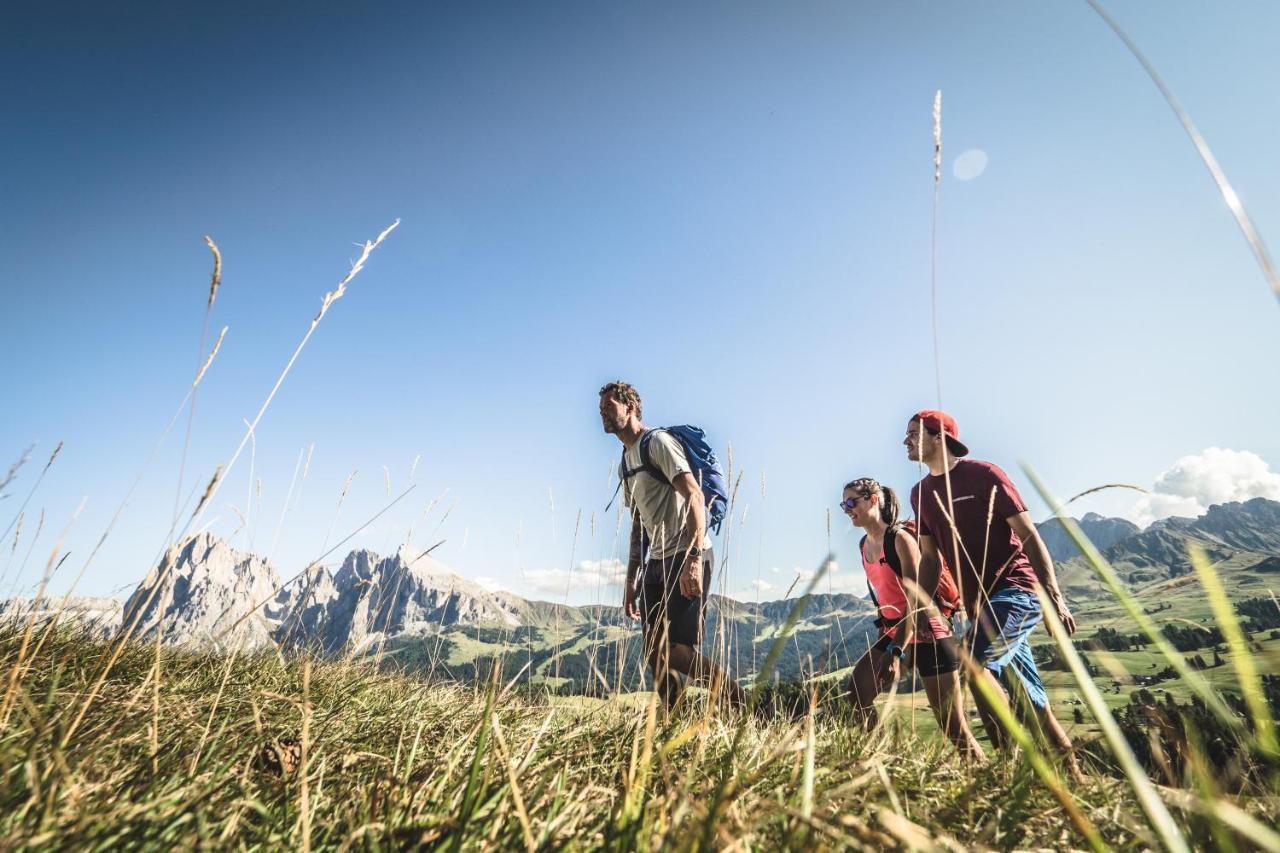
(973, 522)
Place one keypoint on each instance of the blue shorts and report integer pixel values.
(1000, 640)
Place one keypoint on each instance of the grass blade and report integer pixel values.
(1241, 655)
(1152, 806)
(1108, 576)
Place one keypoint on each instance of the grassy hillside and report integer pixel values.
(178, 751)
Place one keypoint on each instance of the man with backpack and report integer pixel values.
(671, 482)
(973, 523)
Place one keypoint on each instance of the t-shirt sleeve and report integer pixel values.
(1008, 502)
(667, 455)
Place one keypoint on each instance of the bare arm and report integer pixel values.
(691, 575)
(927, 573)
(634, 558)
(1033, 546)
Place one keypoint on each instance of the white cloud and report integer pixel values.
(853, 582)
(491, 584)
(1213, 476)
(589, 575)
(762, 586)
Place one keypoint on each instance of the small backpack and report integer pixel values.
(946, 596)
(703, 462)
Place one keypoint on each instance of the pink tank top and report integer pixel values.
(886, 584)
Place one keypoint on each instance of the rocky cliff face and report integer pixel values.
(1247, 534)
(1252, 525)
(207, 593)
(408, 592)
(1102, 532)
(300, 609)
(202, 594)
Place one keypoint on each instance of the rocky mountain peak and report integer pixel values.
(1103, 532)
(202, 593)
(1252, 525)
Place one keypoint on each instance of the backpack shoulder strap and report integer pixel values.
(880, 622)
(622, 476)
(891, 548)
(646, 463)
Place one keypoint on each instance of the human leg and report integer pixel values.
(938, 663)
(697, 667)
(948, 708)
(1001, 646)
(683, 619)
(987, 706)
(870, 674)
(655, 603)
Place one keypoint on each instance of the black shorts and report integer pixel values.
(929, 657)
(665, 607)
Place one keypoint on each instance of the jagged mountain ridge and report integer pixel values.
(204, 592)
(1237, 535)
(209, 588)
(1102, 532)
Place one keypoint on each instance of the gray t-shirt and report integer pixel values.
(663, 511)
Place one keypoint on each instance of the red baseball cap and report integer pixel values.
(936, 421)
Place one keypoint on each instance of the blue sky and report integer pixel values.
(727, 204)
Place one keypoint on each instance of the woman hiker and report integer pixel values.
(890, 554)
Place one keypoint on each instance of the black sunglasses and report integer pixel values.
(849, 503)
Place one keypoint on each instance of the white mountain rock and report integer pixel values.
(408, 592)
(100, 617)
(205, 593)
(202, 594)
(300, 608)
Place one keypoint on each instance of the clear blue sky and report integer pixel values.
(727, 204)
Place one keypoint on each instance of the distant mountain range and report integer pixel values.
(1242, 536)
(413, 610)
(1102, 532)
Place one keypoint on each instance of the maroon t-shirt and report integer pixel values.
(972, 485)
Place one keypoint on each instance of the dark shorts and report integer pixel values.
(1000, 641)
(929, 657)
(667, 609)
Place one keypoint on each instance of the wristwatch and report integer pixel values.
(694, 552)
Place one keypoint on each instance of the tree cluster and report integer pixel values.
(1260, 614)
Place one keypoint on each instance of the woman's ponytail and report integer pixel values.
(888, 506)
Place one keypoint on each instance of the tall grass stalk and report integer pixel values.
(1157, 815)
(1039, 762)
(1242, 658)
(40, 479)
(933, 239)
(1228, 193)
(215, 280)
(220, 474)
(325, 304)
(719, 798)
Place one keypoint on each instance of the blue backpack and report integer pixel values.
(703, 462)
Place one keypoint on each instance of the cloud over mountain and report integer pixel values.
(1213, 476)
(589, 575)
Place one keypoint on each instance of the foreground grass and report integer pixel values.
(391, 761)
